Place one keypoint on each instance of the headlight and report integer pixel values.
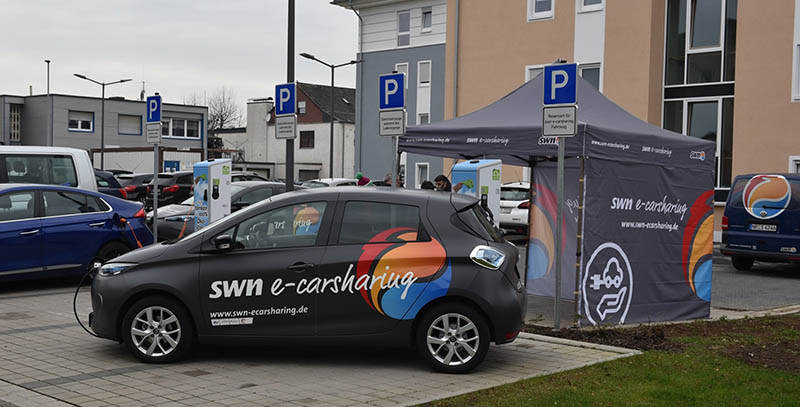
(487, 257)
(112, 269)
(181, 218)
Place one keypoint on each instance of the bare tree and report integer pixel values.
(223, 110)
(194, 99)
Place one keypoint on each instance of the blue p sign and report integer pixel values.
(561, 84)
(285, 99)
(392, 91)
(153, 109)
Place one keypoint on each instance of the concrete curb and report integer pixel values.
(587, 345)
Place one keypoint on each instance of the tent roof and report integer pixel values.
(510, 129)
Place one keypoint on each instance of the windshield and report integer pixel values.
(244, 213)
(314, 184)
(513, 194)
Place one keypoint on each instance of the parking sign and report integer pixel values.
(285, 99)
(561, 84)
(392, 91)
(154, 109)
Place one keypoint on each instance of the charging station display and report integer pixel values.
(481, 179)
(212, 191)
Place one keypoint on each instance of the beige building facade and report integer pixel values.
(724, 70)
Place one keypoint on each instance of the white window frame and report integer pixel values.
(185, 128)
(419, 118)
(397, 69)
(794, 164)
(528, 69)
(703, 50)
(417, 166)
(80, 130)
(419, 75)
(301, 107)
(399, 33)
(593, 65)
(542, 15)
(424, 29)
(582, 8)
(685, 126)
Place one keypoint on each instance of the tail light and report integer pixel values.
(524, 205)
(123, 193)
(140, 213)
(148, 190)
(130, 188)
(724, 223)
(171, 188)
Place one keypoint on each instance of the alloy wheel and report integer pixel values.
(453, 339)
(155, 331)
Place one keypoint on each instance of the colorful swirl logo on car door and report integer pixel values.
(393, 253)
(542, 237)
(766, 196)
(697, 245)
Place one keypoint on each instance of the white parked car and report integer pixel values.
(514, 206)
(330, 182)
(47, 165)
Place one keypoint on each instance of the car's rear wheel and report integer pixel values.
(453, 338)
(158, 330)
(742, 263)
(111, 250)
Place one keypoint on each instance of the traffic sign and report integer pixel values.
(153, 109)
(392, 91)
(286, 127)
(559, 121)
(392, 122)
(561, 84)
(153, 134)
(285, 99)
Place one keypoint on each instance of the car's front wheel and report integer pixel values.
(453, 338)
(158, 330)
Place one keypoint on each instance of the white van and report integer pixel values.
(47, 165)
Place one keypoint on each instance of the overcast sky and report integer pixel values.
(177, 47)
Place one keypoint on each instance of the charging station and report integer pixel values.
(481, 179)
(212, 191)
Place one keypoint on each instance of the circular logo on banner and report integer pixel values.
(607, 285)
(766, 196)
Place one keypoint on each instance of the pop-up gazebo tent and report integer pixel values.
(641, 196)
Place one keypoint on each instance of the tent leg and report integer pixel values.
(579, 235)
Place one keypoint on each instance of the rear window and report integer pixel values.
(40, 169)
(513, 194)
(363, 221)
(735, 199)
(475, 221)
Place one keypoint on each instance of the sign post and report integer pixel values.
(560, 119)
(392, 113)
(153, 114)
(286, 124)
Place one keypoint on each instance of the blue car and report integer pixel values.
(49, 230)
(762, 220)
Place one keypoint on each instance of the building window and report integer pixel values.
(424, 73)
(402, 67)
(589, 5)
(305, 175)
(533, 71)
(301, 107)
(129, 125)
(540, 9)
(421, 174)
(15, 122)
(705, 23)
(591, 73)
(423, 118)
(307, 139)
(794, 164)
(403, 28)
(81, 121)
(427, 19)
(180, 128)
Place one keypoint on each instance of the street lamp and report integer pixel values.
(333, 67)
(102, 113)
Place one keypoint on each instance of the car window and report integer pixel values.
(256, 195)
(475, 220)
(237, 178)
(41, 169)
(59, 203)
(513, 194)
(16, 205)
(290, 226)
(185, 179)
(101, 182)
(346, 184)
(363, 221)
(314, 184)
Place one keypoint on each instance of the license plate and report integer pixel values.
(757, 227)
(505, 210)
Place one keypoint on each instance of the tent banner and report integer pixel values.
(647, 248)
(541, 258)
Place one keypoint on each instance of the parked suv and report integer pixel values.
(136, 186)
(762, 219)
(108, 184)
(174, 187)
(349, 264)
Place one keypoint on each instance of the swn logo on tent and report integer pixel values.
(698, 245)
(542, 237)
(607, 286)
(395, 251)
(766, 196)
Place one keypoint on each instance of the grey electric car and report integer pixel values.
(396, 267)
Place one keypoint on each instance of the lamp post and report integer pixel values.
(333, 67)
(102, 113)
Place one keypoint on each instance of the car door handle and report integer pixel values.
(30, 232)
(300, 267)
(97, 225)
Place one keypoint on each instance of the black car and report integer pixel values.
(172, 219)
(173, 187)
(107, 184)
(237, 176)
(136, 186)
(346, 264)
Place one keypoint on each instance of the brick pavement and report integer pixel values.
(46, 359)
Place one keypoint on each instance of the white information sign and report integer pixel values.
(153, 133)
(559, 121)
(286, 127)
(392, 122)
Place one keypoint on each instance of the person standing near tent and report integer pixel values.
(443, 184)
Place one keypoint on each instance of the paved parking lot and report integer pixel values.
(46, 359)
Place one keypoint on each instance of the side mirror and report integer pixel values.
(223, 242)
